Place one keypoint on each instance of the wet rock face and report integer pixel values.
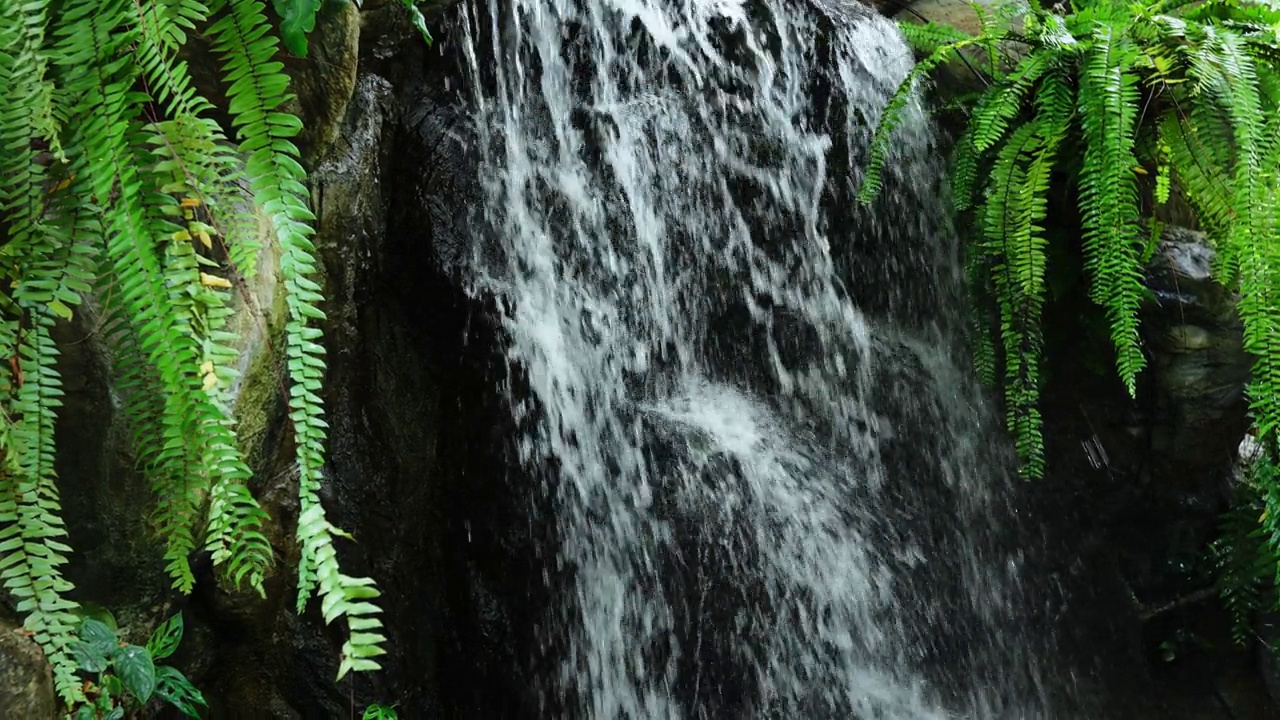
(1193, 409)
(116, 562)
(419, 434)
(325, 82)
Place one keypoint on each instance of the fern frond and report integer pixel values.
(984, 349)
(892, 116)
(964, 171)
(92, 41)
(235, 534)
(1243, 566)
(1203, 182)
(198, 303)
(32, 534)
(1108, 100)
(258, 88)
(928, 37)
(1254, 239)
(56, 270)
(25, 116)
(1267, 481)
(194, 142)
(162, 27)
(1002, 215)
(1008, 224)
(991, 117)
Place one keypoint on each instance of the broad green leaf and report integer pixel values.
(111, 686)
(136, 670)
(419, 22)
(98, 639)
(174, 687)
(164, 641)
(297, 20)
(88, 657)
(379, 712)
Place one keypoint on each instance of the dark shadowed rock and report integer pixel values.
(1199, 367)
(1134, 489)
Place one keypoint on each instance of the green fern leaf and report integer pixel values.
(928, 37)
(32, 534)
(241, 37)
(1108, 193)
(893, 114)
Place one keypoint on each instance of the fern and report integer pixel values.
(32, 547)
(33, 535)
(1246, 556)
(198, 300)
(116, 185)
(1244, 566)
(892, 115)
(1188, 91)
(258, 89)
(1108, 192)
(928, 37)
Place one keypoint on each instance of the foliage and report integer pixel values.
(1132, 104)
(379, 712)
(1247, 554)
(298, 19)
(127, 675)
(117, 185)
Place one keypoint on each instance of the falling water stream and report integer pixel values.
(773, 489)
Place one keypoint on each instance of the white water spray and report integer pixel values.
(719, 413)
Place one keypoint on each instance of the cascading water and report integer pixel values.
(771, 483)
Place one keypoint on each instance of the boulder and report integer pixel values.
(26, 683)
(1198, 364)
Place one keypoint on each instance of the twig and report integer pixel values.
(1147, 612)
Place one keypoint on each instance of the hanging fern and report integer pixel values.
(117, 186)
(1186, 92)
(241, 36)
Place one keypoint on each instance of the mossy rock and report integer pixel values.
(26, 683)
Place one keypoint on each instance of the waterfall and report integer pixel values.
(771, 478)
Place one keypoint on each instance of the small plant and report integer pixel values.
(379, 712)
(127, 676)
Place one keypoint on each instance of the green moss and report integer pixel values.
(261, 324)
